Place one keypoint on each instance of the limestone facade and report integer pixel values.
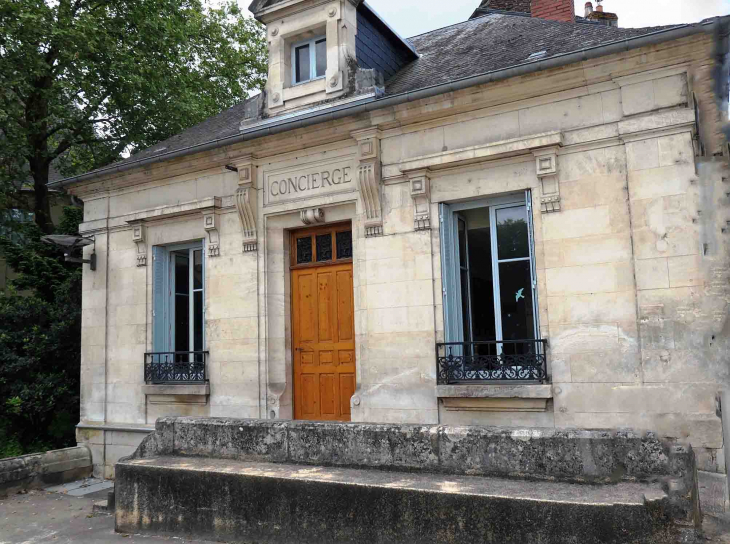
(629, 211)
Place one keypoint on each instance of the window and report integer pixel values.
(490, 299)
(179, 276)
(309, 60)
(320, 246)
(12, 217)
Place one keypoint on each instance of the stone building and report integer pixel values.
(518, 220)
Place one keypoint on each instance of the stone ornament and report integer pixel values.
(275, 32)
(138, 237)
(312, 216)
(276, 98)
(246, 202)
(210, 224)
(546, 166)
(332, 12)
(369, 179)
(420, 184)
(334, 80)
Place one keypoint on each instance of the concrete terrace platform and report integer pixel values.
(271, 503)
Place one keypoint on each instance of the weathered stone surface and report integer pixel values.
(535, 454)
(267, 504)
(39, 469)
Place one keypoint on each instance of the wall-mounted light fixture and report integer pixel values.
(72, 246)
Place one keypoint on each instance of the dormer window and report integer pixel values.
(309, 60)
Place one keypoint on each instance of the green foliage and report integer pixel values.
(83, 80)
(40, 331)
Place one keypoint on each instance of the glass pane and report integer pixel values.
(182, 323)
(320, 51)
(344, 245)
(515, 288)
(324, 247)
(512, 239)
(302, 60)
(462, 243)
(182, 278)
(304, 250)
(198, 321)
(198, 269)
(482, 287)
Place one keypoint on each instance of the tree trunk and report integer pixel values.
(42, 204)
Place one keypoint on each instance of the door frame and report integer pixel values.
(294, 235)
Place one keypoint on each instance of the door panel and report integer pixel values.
(323, 338)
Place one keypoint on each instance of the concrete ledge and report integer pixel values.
(567, 455)
(494, 405)
(280, 504)
(40, 469)
(175, 389)
(171, 394)
(507, 391)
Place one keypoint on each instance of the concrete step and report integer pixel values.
(267, 503)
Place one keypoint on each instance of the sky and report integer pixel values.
(413, 17)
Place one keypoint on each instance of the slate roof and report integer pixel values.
(470, 48)
(494, 42)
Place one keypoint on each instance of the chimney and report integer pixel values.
(602, 17)
(589, 8)
(554, 10)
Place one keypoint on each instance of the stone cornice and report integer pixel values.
(504, 148)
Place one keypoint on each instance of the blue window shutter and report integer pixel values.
(448, 274)
(159, 299)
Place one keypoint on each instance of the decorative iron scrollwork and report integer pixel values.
(176, 367)
(344, 244)
(513, 360)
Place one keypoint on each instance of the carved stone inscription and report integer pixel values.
(310, 182)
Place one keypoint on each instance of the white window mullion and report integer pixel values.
(533, 266)
(495, 278)
(312, 60)
(191, 301)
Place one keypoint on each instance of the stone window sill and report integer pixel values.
(305, 89)
(495, 398)
(177, 393)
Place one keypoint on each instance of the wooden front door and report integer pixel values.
(323, 325)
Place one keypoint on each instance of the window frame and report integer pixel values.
(312, 43)
(165, 310)
(312, 233)
(451, 265)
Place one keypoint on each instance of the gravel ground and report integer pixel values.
(42, 516)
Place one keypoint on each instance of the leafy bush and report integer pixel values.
(40, 342)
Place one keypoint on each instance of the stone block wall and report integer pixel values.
(632, 271)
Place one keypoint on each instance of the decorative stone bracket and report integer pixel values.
(139, 232)
(210, 224)
(246, 202)
(546, 163)
(420, 183)
(369, 179)
(312, 216)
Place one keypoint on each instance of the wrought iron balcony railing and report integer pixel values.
(507, 360)
(183, 367)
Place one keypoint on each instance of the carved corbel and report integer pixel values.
(420, 183)
(139, 237)
(546, 163)
(247, 202)
(369, 179)
(312, 216)
(210, 224)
